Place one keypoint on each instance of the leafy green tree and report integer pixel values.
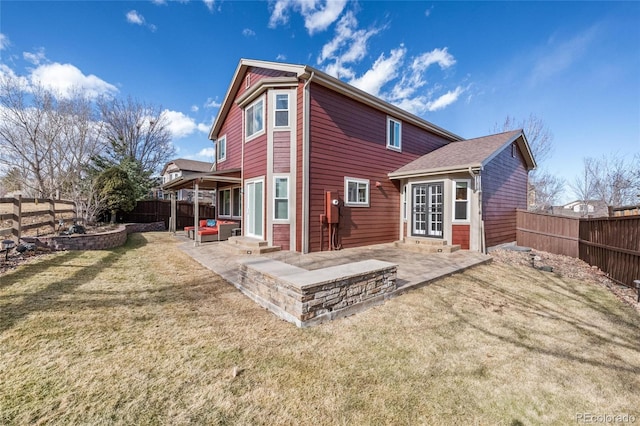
(116, 190)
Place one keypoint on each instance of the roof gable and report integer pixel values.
(188, 165)
(471, 154)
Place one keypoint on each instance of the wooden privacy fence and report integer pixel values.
(147, 211)
(26, 215)
(610, 243)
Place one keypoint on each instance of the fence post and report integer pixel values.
(17, 217)
(52, 215)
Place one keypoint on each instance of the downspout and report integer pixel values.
(305, 166)
(481, 237)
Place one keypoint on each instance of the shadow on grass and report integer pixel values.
(48, 297)
(552, 309)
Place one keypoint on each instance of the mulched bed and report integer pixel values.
(569, 267)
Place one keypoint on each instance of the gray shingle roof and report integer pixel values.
(460, 155)
(190, 165)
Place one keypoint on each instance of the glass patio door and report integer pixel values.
(427, 205)
(254, 209)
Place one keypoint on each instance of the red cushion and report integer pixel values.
(208, 231)
(203, 223)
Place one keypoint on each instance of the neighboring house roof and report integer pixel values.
(188, 165)
(470, 154)
(316, 76)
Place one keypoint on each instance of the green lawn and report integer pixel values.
(144, 335)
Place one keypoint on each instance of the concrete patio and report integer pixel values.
(414, 269)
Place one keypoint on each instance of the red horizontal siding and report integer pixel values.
(504, 186)
(255, 157)
(460, 235)
(349, 139)
(281, 234)
(282, 152)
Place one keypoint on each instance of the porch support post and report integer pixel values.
(172, 220)
(196, 214)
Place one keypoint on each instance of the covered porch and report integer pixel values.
(209, 181)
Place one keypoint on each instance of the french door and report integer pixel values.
(254, 198)
(427, 204)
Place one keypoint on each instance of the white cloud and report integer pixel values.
(65, 78)
(396, 78)
(7, 72)
(207, 153)
(248, 32)
(383, 71)
(4, 41)
(212, 103)
(36, 58)
(427, 12)
(181, 125)
(133, 17)
(348, 46)
(556, 58)
(159, 2)
(281, 57)
(445, 100)
(318, 14)
(210, 4)
(195, 108)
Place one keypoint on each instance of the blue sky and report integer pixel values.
(463, 66)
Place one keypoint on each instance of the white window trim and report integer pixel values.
(275, 219)
(219, 198)
(218, 159)
(391, 120)
(275, 110)
(453, 202)
(348, 180)
(247, 138)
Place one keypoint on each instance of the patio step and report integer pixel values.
(426, 246)
(246, 245)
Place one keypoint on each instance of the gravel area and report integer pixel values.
(569, 267)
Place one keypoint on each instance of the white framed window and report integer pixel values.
(221, 148)
(230, 203)
(461, 200)
(356, 192)
(254, 119)
(281, 198)
(236, 202)
(224, 203)
(394, 134)
(281, 114)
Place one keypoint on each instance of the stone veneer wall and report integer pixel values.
(101, 241)
(311, 297)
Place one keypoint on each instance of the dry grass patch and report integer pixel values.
(144, 334)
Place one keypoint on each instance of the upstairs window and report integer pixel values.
(254, 118)
(282, 110)
(357, 192)
(394, 134)
(221, 148)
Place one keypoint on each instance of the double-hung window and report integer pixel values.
(281, 198)
(461, 201)
(394, 134)
(254, 118)
(357, 192)
(221, 148)
(281, 115)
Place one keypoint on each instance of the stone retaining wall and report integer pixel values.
(311, 297)
(102, 241)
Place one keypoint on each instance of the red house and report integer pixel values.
(318, 164)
